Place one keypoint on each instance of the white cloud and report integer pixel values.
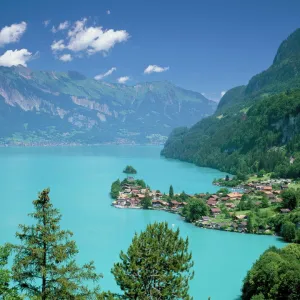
(66, 57)
(46, 23)
(16, 57)
(155, 69)
(61, 26)
(223, 93)
(91, 39)
(12, 33)
(58, 45)
(109, 72)
(108, 12)
(123, 79)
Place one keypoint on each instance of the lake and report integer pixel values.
(80, 179)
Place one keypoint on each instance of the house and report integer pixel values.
(143, 191)
(141, 196)
(214, 197)
(205, 218)
(267, 188)
(134, 192)
(157, 203)
(235, 195)
(215, 211)
(225, 198)
(240, 217)
(277, 192)
(269, 194)
(230, 205)
(285, 210)
(211, 202)
(243, 226)
(181, 204)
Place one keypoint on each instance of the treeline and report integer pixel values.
(262, 137)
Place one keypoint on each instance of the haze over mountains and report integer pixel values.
(38, 107)
(255, 127)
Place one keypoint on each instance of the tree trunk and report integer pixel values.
(44, 296)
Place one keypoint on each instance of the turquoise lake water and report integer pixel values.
(80, 179)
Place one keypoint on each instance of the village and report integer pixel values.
(227, 209)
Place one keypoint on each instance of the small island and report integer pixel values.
(269, 207)
(129, 170)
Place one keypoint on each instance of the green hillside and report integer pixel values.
(256, 127)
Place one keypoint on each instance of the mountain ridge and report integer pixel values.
(67, 107)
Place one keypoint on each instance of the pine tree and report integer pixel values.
(7, 292)
(171, 191)
(44, 266)
(157, 265)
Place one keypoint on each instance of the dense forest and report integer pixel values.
(256, 127)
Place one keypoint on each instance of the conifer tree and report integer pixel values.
(171, 191)
(44, 266)
(7, 291)
(157, 265)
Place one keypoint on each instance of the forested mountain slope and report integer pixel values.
(256, 127)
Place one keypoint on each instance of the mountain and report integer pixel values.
(255, 127)
(52, 107)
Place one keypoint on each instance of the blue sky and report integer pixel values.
(207, 46)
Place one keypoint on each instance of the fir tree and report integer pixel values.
(44, 265)
(157, 265)
(171, 191)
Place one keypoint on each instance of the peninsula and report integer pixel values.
(267, 207)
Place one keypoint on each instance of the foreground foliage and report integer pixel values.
(44, 265)
(157, 265)
(275, 275)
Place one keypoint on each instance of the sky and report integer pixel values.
(207, 46)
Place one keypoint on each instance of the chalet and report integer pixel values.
(240, 217)
(214, 197)
(211, 202)
(285, 210)
(156, 203)
(230, 205)
(215, 211)
(267, 188)
(269, 194)
(127, 191)
(143, 191)
(174, 204)
(225, 198)
(235, 195)
(141, 196)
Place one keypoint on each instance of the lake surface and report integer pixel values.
(80, 179)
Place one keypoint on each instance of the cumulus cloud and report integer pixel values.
(223, 93)
(66, 57)
(123, 79)
(12, 33)
(61, 26)
(108, 12)
(90, 39)
(109, 72)
(155, 69)
(46, 23)
(58, 45)
(16, 57)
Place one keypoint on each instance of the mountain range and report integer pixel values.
(255, 127)
(40, 107)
